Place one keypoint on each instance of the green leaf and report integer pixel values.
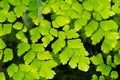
(11, 16)
(55, 6)
(47, 39)
(5, 5)
(2, 44)
(21, 36)
(108, 45)
(65, 55)
(87, 5)
(108, 25)
(25, 2)
(61, 35)
(86, 15)
(83, 63)
(18, 25)
(24, 67)
(35, 65)
(7, 28)
(73, 14)
(77, 7)
(13, 2)
(61, 21)
(72, 34)
(19, 75)
(44, 27)
(104, 69)
(47, 9)
(97, 36)
(109, 59)
(60, 42)
(75, 43)
(29, 57)
(79, 23)
(8, 55)
(91, 27)
(22, 48)
(114, 35)
(54, 32)
(98, 59)
(66, 28)
(97, 16)
(74, 60)
(114, 74)
(1, 30)
(47, 73)
(2, 16)
(81, 51)
(44, 55)
(69, 1)
(101, 78)
(37, 47)
(116, 7)
(46, 69)
(106, 13)
(12, 69)
(117, 59)
(35, 34)
(64, 5)
(94, 77)
(118, 45)
(2, 76)
(19, 10)
(1, 53)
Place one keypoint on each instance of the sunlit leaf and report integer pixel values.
(83, 63)
(108, 45)
(11, 16)
(2, 44)
(2, 76)
(55, 46)
(72, 34)
(54, 32)
(75, 43)
(117, 59)
(92, 24)
(35, 34)
(114, 74)
(109, 59)
(22, 48)
(7, 28)
(104, 69)
(19, 10)
(98, 59)
(108, 25)
(97, 36)
(18, 25)
(44, 27)
(65, 55)
(61, 21)
(8, 55)
(29, 57)
(19, 75)
(47, 39)
(37, 47)
(44, 55)
(12, 69)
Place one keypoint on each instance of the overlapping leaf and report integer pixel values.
(22, 48)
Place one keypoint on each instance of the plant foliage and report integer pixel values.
(37, 36)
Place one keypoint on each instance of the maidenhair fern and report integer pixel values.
(39, 36)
